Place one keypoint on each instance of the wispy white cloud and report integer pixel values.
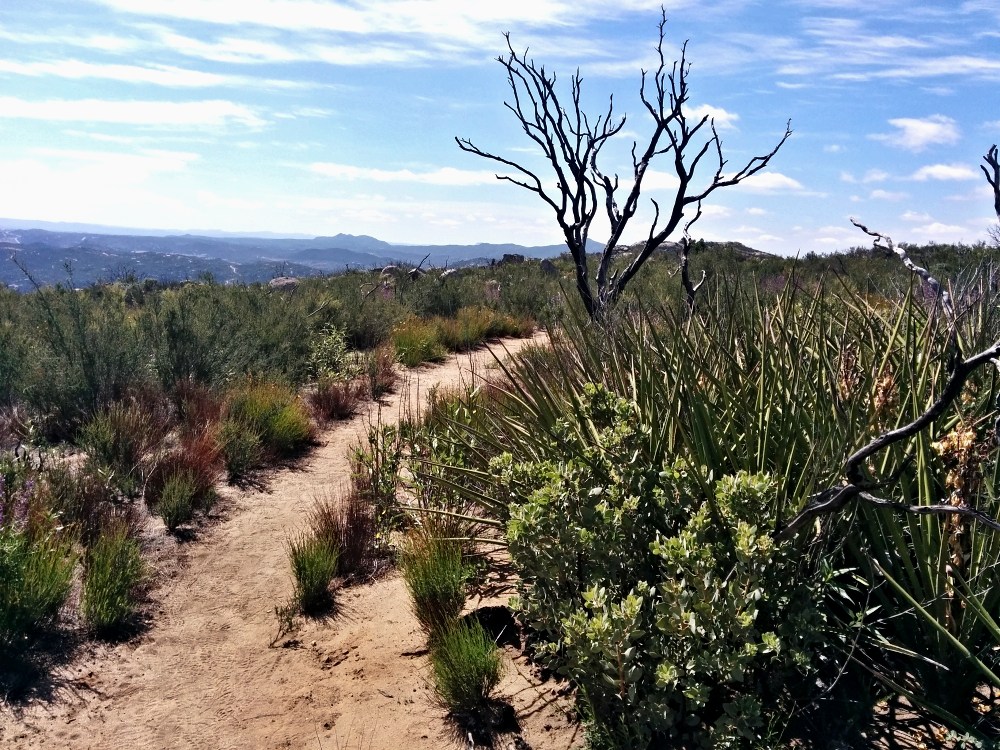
(771, 182)
(872, 175)
(140, 163)
(149, 113)
(945, 172)
(887, 195)
(916, 134)
(157, 75)
(932, 67)
(73, 39)
(442, 176)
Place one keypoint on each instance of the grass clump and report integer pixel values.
(242, 449)
(178, 496)
(417, 341)
(335, 399)
(35, 578)
(380, 369)
(348, 524)
(114, 572)
(467, 667)
(435, 577)
(471, 326)
(262, 421)
(314, 564)
(118, 437)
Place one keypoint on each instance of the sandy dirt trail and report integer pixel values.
(205, 676)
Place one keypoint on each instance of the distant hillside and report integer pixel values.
(94, 256)
(83, 266)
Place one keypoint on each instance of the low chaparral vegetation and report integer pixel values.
(167, 391)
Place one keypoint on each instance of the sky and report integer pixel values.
(316, 117)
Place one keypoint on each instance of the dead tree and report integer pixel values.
(992, 171)
(571, 142)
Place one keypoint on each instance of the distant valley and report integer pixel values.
(84, 255)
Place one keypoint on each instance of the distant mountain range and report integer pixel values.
(85, 254)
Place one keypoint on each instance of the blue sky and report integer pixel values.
(321, 116)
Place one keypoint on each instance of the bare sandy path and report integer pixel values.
(204, 676)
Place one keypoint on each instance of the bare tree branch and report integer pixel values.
(939, 291)
(993, 175)
(834, 499)
(690, 289)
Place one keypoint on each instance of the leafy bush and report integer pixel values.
(675, 614)
(435, 577)
(113, 573)
(329, 355)
(467, 667)
(314, 564)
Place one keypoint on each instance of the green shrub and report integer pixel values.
(118, 437)
(177, 499)
(467, 668)
(435, 577)
(314, 564)
(242, 449)
(87, 353)
(113, 574)
(417, 341)
(329, 355)
(274, 413)
(289, 430)
(35, 578)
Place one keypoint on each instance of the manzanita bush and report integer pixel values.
(674, 613)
